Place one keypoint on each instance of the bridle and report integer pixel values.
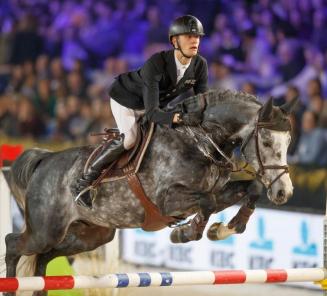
(263, 168)
(203, 138)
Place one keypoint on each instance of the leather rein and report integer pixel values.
(229, 163)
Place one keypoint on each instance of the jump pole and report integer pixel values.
(145, 279)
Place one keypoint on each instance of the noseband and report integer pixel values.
(263, 168)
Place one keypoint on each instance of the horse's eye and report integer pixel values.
(279, 155)
(266, 144)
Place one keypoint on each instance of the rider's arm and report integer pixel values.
(151, 77)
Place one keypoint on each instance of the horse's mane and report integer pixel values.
(215, 97)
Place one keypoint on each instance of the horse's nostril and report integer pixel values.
(280, 193)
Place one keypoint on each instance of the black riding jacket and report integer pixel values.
(153, 86)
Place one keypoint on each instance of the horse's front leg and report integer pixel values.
(219, 231)
(194, 229)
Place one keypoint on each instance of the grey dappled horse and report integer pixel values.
(183, 173)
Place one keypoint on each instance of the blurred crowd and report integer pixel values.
(57, 59)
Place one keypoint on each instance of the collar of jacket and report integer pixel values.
(172, 68)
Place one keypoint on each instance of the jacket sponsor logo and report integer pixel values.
(190, 81)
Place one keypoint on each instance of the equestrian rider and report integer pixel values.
(163, 77)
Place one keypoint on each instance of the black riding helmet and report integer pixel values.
(187, 24)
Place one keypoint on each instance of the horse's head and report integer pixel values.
(265, 148)
(264, 131)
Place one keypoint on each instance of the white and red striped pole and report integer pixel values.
(163, 279)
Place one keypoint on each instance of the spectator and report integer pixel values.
(292, 92)
(76, 85)
(28, 123)
(319, 37)
(42, 67)
(249, 88)
(45, 101)
(255, 50)
(291, 61)
(312, 146)
(16, 80)
(72, 49)
(257, 47)
(221, 75)
(295, 135)
(157, 31)
(8, 109)
(28, 88)
(58, 80)
(27, 44)
(230, 45)
(315, 67)
(314, 88)
(102, 78)
(319, 106)
(7, 32)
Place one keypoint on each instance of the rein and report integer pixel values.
(202, 138)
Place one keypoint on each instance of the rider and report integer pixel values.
(162, 78)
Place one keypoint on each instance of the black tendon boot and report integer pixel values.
(107, 155)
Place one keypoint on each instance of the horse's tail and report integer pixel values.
(26, 265)
(22, 170)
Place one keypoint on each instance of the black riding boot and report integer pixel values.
(106, 156)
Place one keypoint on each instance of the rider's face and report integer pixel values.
(189, 44)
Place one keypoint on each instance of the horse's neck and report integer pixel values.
(233, 120)
(167, 141)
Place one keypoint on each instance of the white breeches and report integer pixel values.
(126, 122)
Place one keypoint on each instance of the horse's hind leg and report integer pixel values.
(80, 238)
(14, 241)
(12, 254)
(17, 245)
(26, 243)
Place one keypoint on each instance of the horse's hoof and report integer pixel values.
(218, 231)
(184, 235)
(177, 236)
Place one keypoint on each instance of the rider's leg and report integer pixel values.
(126, 123)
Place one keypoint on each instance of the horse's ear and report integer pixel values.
(288, 106)
(266, 111)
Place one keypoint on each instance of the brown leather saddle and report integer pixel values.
(127, 167)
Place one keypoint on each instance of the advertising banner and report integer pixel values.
(273, 239)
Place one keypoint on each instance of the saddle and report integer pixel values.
(127, 167)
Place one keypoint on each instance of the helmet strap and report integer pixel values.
(180, 49)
